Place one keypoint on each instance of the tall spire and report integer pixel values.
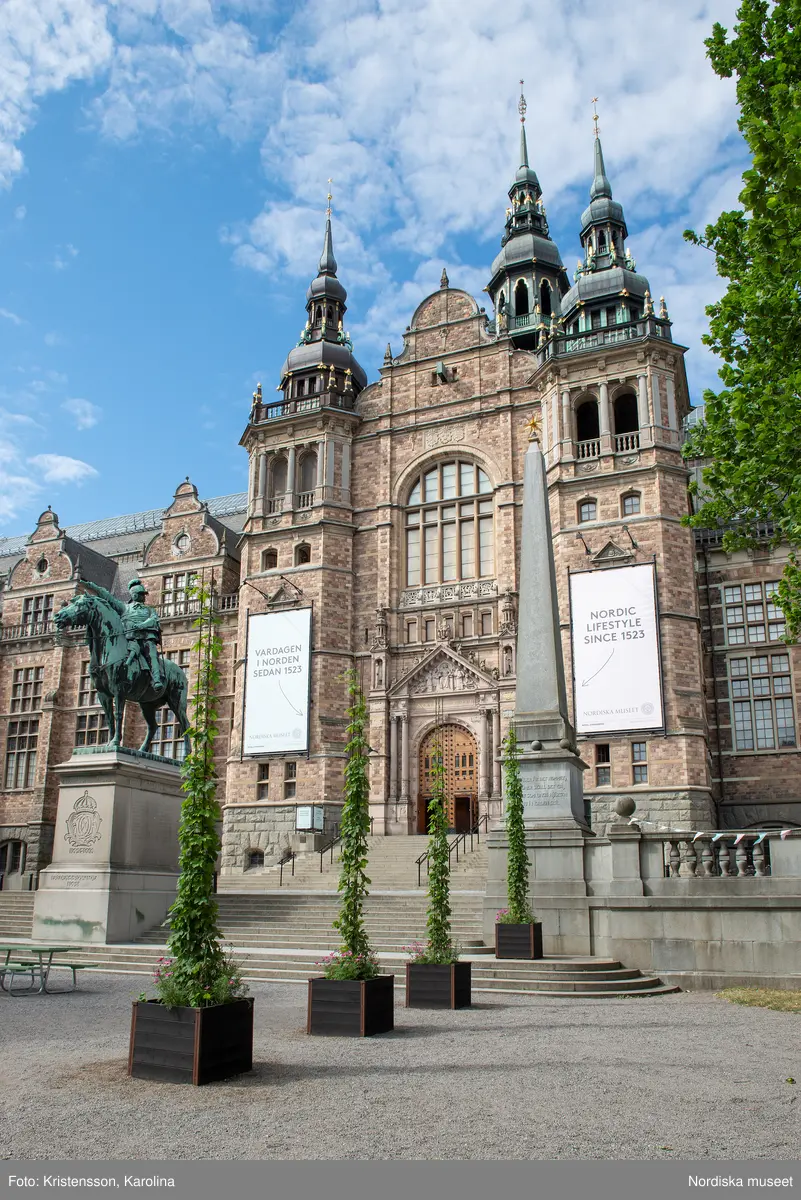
(600, 184)
(521, 108)
(328, 264)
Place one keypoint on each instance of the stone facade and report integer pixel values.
(393, 510)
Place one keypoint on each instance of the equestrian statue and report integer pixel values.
(125, 664)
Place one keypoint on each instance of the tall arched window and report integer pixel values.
(308, 472)
(278, 476)
(302, 554)
(626, 417)
(545, 298)
(587, 426)
(450, 525)
(521, 298)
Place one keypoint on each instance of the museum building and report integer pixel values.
(393, 511)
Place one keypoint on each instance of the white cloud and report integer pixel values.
(85, 413)
(62, 261)
(20, 212)
(54, 338)
(44, 46)
(58, 468)
(11, 316)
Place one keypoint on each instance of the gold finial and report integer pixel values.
(533, 427)
(595, 115)
(329, 198)
(521, 105)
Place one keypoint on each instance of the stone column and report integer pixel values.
(393, 757)
(643, 415)
(404, 732)
(671, 403)
(262, 487)
(346, 472)
(320, 467)
(484, 772)
(290, 475)
(604, 426)
(496, 753)
(567, 424)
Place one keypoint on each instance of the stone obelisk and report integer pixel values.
(550, 767)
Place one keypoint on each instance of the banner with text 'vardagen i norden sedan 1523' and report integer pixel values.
(617, 677)
(277, 682)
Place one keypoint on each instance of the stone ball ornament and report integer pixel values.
(624, 806)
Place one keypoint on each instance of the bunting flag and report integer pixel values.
(739, 838)
(785, 833)
(760, 838)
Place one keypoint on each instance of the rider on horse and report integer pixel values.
(141, 625)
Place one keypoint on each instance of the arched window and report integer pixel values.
(269, 559)
(545, 298)
(12, 859)
(521, 298)
(278, 476)
(450, 525)
(308, 472)
(329, 314)
(502, 301)
(318, 315)
(601, 241)
(626, 417)
(588, 510)
(302, 554)
(587, 426)
(630, 504)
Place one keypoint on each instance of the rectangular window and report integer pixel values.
(467, 479)
(290, 778)
(412, 557)
(731, 595)
(23, 737)
(756, 633)
(411, 632)
(91, 729)
(639, 760)
(603, 776)
(168, 742)
(602, 753)
(486, 623)
(762, 708)
(36, 613)
(753, 591)
(449, 551)
(468, 549)
(428, 629)
(181, 657)
(87, 696)
(485, 547)
(448, 480)
(26, 689)
(431, 564)
(603, 768)
(173, 594)
(263, 782)
(467, 625)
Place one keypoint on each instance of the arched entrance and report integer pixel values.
(460, 759)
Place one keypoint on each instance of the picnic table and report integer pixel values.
(29, 958)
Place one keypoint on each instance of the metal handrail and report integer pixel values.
(329, 846)
(473, 833)
(288, 856)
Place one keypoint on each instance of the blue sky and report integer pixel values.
(163, 167)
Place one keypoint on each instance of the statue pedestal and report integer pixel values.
(115, 857)
(553, 790)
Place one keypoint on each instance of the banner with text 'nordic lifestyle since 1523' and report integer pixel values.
(277, 682)
(617, 678)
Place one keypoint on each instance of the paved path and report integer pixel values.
(685, 1076)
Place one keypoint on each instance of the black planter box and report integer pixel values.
(351, 1007)
(518, 941)
(429, 985)
(190, 1045)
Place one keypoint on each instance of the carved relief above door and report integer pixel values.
(460, 760)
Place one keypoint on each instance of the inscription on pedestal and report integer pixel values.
(545, 793)
(71, 881)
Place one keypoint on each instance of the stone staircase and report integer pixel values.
(392, 865)
(16, 914)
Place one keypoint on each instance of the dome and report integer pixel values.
(526, 174)
(522, 248)
(326, 287)
(601, 210)
(607, 283)
(330, 354)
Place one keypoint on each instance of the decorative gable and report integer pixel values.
(612, 555)
(442, 670)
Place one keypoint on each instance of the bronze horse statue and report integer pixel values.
(117, 680)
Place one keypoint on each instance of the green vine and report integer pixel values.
(199, 972)
(355, 959)
(519, 911)
(440, 948)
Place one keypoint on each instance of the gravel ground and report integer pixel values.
(686, 1076)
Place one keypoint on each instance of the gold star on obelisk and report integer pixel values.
(533, 427)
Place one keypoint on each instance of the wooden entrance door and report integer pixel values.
(460, 760)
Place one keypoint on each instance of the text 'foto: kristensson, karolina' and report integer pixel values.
(740, 1181)
(91, 1181)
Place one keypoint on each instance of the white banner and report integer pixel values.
(277, 682)
(617, 679)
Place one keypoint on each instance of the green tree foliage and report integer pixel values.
(355, 959)
(440, 948)
(519, 911)
(751, 434)
(199, 972)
